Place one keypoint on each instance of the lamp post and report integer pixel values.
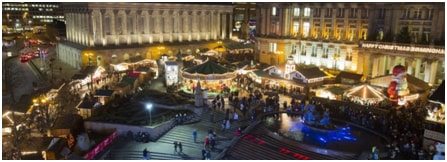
(149, 107)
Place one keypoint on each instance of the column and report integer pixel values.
(427, 70)
(68, 23)
(189, 24)
(218, 25)
(224, 25)
(409, 65)
(417, 69)
(382, 64)
(230, 25)
(78, 27)
(434, 70)
(213, 25)
(84, 29)
(375, 67)
(392, 64)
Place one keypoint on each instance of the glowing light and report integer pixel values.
(403, 48)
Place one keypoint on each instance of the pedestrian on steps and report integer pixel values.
(180, 147)
(175, 146)
(194, 135)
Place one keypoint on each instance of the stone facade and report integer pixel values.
(328, 35)
(103, 24)
(115, 32)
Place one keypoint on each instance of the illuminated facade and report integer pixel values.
(28, 14)
(244, 23)
(328, 35)
(118, 32)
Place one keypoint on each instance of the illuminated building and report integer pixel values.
(363, 38)
(117, 32)
(244, 23)
(16, 15)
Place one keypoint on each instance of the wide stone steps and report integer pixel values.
(138, 155)
(216, 124)
(265, 145)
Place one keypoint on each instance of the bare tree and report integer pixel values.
(20, 133)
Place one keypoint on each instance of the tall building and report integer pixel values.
(116, 32)
(244, 25)
(366, 38)
(17, 15)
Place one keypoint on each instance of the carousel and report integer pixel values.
(365, 95)
(215, 79)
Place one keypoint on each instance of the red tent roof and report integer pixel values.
(134, 74)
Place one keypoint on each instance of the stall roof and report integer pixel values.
(78, 76)
(365, 92)
(89, 70)
(136, 59)
(86, 104)
(67, 121)
(142, 69)
(134, 74)
(103, 92)
(209, 67)
(310, 73)
(439, 94)
(128, 80)
(260, 73)
(348, 75)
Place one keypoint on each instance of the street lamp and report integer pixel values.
(149, 107)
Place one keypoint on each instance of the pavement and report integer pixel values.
(162, 149)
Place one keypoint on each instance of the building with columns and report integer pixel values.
(244, 21)
(101, 33)
(357, 37)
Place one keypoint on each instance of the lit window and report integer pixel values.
(273, 11)
(306, 28)
(296, 12)
(307, 11)
(272, 47)
(296, 28)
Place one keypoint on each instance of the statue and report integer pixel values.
(398, 87)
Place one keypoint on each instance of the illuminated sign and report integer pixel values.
(403, 48)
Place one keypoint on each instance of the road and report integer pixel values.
(25, 71)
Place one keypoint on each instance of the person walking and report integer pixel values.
(175, 146)
(194, 135)
(203, 153)
(208, 155)
(213, 143)
(180, 147)
(145, 154)
(207, 141)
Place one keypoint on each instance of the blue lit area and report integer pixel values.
(341, 137)
(324, 136)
